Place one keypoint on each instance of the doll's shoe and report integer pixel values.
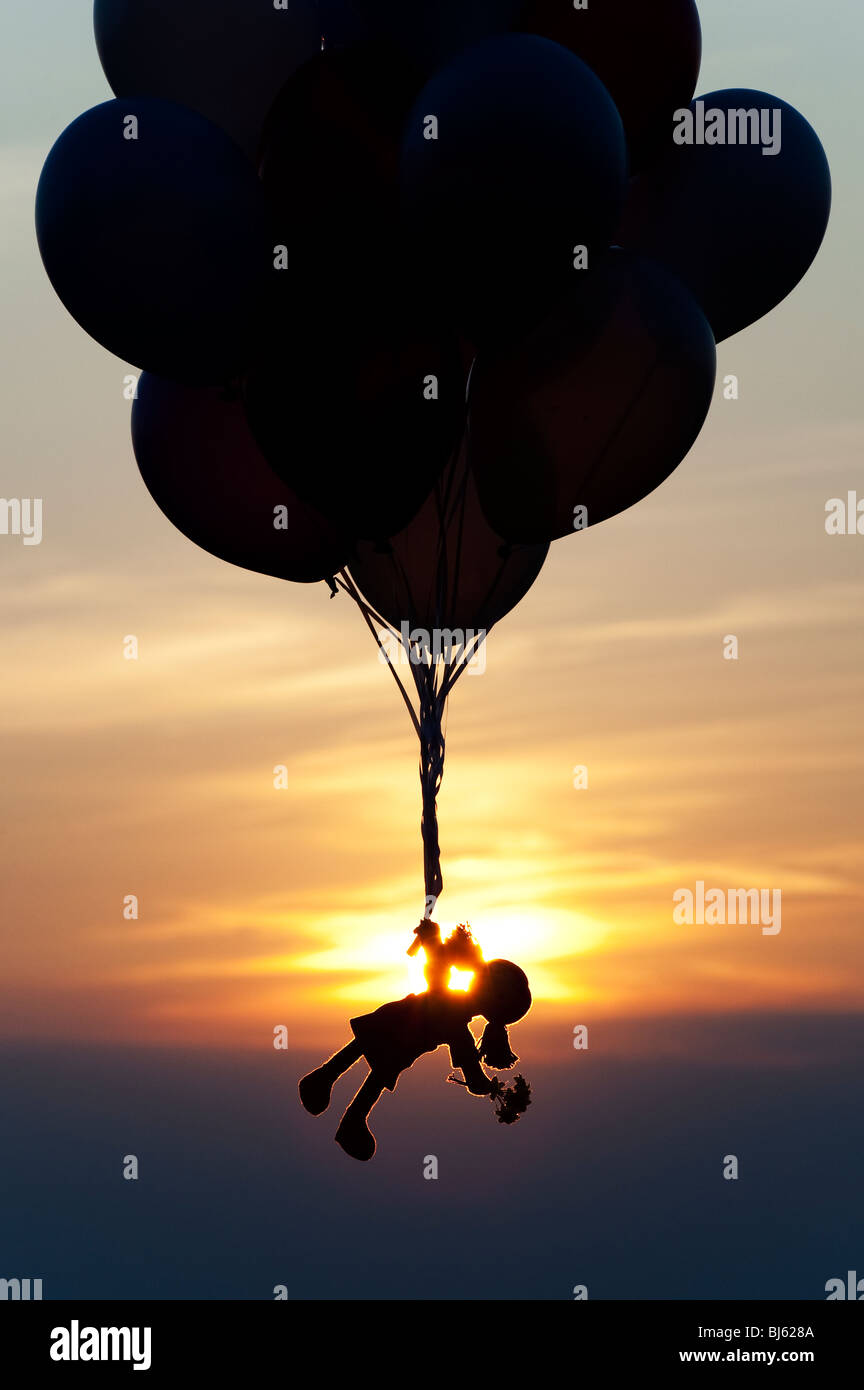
(315, 1091)
(356, 1138)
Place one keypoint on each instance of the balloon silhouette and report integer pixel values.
(154, 232)
(513, 158)
(329, 163)
(359, 417)
(447, 569)
(203, 469)
(647, 55)
(429, 34)
(596, 408)
(225, 58)
(739, 227)
(358, 401)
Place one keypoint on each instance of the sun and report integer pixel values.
(459, 980)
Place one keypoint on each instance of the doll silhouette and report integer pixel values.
(394, 1036)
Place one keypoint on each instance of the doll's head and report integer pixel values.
(503, 997)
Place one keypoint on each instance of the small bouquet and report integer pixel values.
(510, 1101)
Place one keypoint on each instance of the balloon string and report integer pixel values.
(464, 661)
(401, 576)
(635, 400)
(433, 694)
(432, 691)
(350, 588)
(431, 775)
(347, 583)
(451, 501)
(460, 506)
(461, 502)
(407, 598)
(430, 734)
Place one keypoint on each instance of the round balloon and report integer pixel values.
(154, 231)
(225, 58)
(513, 174)
(428, 33)
(737, 208)
(448, 570)
(596, 408)
(648, 56)
(205, 472)
(358, 413)
(329, 162)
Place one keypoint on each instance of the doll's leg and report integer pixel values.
(353, 1133)
(316, 1087)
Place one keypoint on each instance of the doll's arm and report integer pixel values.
(427, 935)
(464, 1054)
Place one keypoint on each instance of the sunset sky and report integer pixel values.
(261, 906)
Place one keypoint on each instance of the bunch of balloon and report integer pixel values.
(410, 286)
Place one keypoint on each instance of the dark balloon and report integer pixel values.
(159, 244)
(358, 399)
(329, 162)
(358, 415)
(739, 227)
(527, 164)
(204, 470)
(447, 570)
(428, 33)
(596, 408)
(225, 58)
(647, 54)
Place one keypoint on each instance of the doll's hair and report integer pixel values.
(507, 999)
(461, 943)
(495, 1047)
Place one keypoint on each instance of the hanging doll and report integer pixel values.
(394, 1036)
